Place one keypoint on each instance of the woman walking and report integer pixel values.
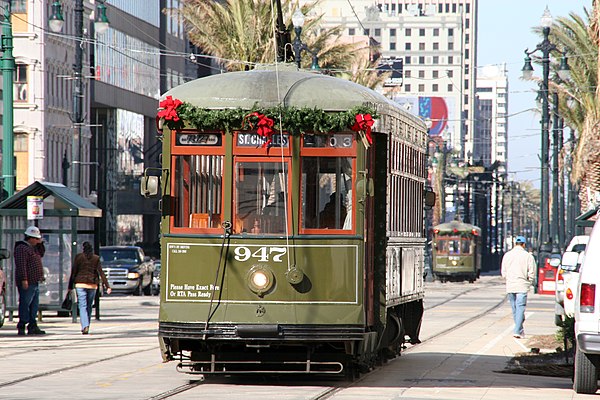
(85, 278)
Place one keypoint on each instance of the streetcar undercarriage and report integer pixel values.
(287, 349)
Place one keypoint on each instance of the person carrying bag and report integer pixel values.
(86, 274)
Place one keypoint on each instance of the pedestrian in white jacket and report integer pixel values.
(518, 269)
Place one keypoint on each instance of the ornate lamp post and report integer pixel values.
(546, 48)
(298, 45)
(56, 23)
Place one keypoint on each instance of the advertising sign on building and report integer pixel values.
(35, 207)
(440, 111)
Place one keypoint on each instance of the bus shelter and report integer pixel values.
(65, 220)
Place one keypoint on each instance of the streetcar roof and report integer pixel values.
(267, 88)
(456, 225)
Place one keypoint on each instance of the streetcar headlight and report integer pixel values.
(260, 279)
(454, 262)
(133, 275)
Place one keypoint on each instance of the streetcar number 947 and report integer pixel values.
(262, 254)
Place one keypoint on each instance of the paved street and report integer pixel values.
(120, 358)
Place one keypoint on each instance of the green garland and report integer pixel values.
(293, 120)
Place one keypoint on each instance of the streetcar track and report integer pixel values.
(467, 321)
(485, 285)
(85, 364)
(332, 391)
(328, 392)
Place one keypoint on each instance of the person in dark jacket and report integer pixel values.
(85, 276)
(29, 273)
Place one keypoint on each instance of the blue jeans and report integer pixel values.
(85, 300)
(29, 302)
(518, 301)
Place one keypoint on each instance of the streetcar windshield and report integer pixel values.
(453, 246)
(260, 197)
(327, 193)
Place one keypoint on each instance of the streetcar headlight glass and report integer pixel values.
(454, 262)
(260, 279)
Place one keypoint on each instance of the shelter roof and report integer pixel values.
(65, 201)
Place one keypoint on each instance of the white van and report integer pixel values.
(587, 318)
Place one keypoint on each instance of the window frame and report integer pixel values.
(275, 159)
(328, 152)
(183, 150)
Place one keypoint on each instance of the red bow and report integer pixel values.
(264, 127)
(168, 109)
(363, 124)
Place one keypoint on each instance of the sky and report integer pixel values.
(505, 31)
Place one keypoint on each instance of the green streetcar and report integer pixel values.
(456, 252)
(292, 224)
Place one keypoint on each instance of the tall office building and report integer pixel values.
(125, 69)
(437, 42)
(492, 123)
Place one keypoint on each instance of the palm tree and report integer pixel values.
(240, 33)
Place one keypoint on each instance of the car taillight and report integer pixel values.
(587, 298)
(560, 278)
(569, 294)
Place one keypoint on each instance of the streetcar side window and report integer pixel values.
(198, 191)
(261, 189)
(327, 193)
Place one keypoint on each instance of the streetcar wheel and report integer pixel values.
(2, 309)
(351, 372)
(585, 379)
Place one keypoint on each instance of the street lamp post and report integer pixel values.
(8, 69)
(297, 45)
(556, 244)
(546, 48)
(56, 23)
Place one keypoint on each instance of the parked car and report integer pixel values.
(156, 277)
(587, 315)
(568, 274)
(546, 280)
(127, 269)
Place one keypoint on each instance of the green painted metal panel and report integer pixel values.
(331, 292)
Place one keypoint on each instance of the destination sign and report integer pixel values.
(255, 140)
(198, 139)
(336, 141)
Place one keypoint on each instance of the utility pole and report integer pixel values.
(8, 70)
(78, 97)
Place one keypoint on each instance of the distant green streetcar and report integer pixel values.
(292, 224)
(456, 252)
